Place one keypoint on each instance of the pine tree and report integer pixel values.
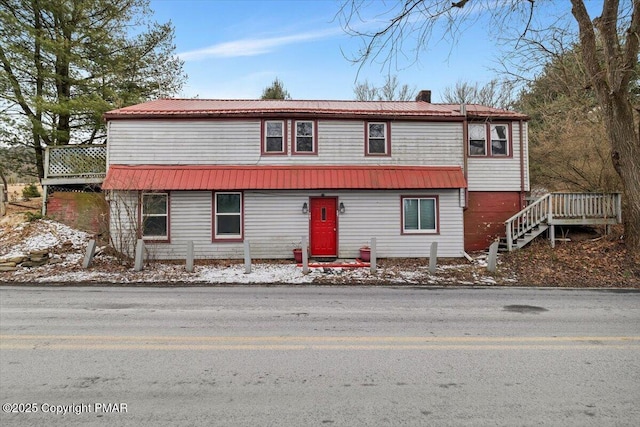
(275, 91)
(64, 63)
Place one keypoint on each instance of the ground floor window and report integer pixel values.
(228, 215)
(154, 214)
(419, 215)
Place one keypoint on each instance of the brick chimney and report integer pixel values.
(424, 96)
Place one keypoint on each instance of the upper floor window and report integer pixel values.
(154, 211)
(497, 136)
(499, 140)
(305, 137)
(274, 138)
(477, 140)
(377, 139)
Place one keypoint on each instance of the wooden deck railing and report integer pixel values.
(580, 206)
(75, 164)
(563, 209)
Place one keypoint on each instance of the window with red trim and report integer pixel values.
(377, 140)
(419, 215)
(274, 138)
(228, 215)
(489, 140)
(305, 137)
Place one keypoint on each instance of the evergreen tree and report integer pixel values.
(64, 63)
(275, 91)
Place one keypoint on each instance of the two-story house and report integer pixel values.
(218, 172)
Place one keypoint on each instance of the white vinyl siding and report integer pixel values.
(500, 173)
(184, 142)
(237, 142)
(274, 224)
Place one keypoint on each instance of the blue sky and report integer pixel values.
(233, 49)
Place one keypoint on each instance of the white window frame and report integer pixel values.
(283, 137)
(313, 137)
(216, 214)
(420, 230)
(385, 139)
(506, 139)
(488, 130)
(484, 134)
(144, 216)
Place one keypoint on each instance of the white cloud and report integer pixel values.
(255, 46)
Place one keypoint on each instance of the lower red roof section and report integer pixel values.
(154, 177)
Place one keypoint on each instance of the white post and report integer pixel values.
(493, 257)
(433, 257)
(88, 257)
(190, 257)
(139, 255)
(45, 195)
(247, 257)
(305, 256)
(373, 255)
(509, 236)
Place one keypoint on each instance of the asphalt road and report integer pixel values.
(303, 355)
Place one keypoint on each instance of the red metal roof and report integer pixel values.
(190, 108)
(152, 177)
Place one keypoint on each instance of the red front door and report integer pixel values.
(324, 227)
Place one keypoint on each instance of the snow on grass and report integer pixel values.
(39, 235)
(67, 247)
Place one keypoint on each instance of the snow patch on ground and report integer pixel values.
(39, 235)
(68, 246)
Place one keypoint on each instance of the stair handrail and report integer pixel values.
(528, 218)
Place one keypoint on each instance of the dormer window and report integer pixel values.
(274, 137)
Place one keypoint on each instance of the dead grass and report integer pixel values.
(590, 262)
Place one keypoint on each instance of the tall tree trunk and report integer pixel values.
(63, 84)
(625, 154)
(37, 146)
(610, 65)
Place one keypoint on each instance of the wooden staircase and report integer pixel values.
(560, 209)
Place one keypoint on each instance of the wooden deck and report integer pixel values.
(555, 209)
(75, 164)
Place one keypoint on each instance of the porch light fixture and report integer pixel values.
(305, 208)
(341, 208)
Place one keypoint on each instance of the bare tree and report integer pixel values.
(390, 91)
(365, 91)
(609, 44)
(496, 93)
